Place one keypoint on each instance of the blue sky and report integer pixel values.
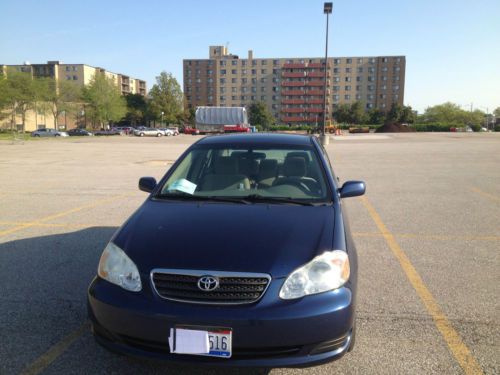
(452, 47)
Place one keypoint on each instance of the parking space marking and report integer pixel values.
(428, 236)
(47, 225)
(484, 194)
(62, 214)
(457, 347)
(42, 362)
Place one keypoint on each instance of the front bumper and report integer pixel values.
(270, 333)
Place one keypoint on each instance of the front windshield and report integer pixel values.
(259, 173)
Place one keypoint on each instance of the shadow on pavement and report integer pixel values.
(43, 284)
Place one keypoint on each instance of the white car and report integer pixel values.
(47, 132)
(149, 132)
(167, 132)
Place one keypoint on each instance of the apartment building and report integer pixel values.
(80, 74)
(293, 88)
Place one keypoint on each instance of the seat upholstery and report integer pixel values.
(226, 176)
(268, 170)
(295, 172)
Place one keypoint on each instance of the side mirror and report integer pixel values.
(352, 189)
(147, 184)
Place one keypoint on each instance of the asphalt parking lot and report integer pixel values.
(427, 234)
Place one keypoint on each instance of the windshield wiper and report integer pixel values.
(203, 198)
(287, 200)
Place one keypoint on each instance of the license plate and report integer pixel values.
(206, 341)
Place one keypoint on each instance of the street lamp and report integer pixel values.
(327, 9)
(162, 113)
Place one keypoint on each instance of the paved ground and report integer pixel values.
(427, 232)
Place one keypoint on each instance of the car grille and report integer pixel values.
(234, 288)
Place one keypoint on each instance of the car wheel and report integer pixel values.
(159, 135)
(169, 134)
(57, 135)
(37, 135)
(142, 134)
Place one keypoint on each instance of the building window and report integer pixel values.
(360, 60)
(382, 96)
(275, 97)
(276, 80)
(348, 61)
(396, 78)
(348, 79)
(243, 89)
(234, 89)
(223, 71)
(336, 61)
(209, 72)
(336, 88)
(262, 97)
(347, 88)
(370, 87)
(397, 68)
(336, 70)
(243, 97)
(68, 68)
(369, 105)
(263, 80)
(384, 59)
(275, 106)
(222, 63)
(358, 96)
(243, 62)
(360, 69)
(234, 62)
(254, 62)
(234, 71)
(222, 81)
(75, 78)
(395, 87)
(359, 79)
(371, 79)
(233, 80)
(335, 97)
(244, 80)
(254, 80)
(371, 70)
(384, 69)
(262, 89)
(234, 97)
(222, 90)
(358, 88)
(348, 70)
(276, 89)
(68, 78)
(263, 71)
(336, 79)
(222, 98)
(254, 89)
(384, 87)
(276, 62)
(264, 62)
(347, 97)
(369, 96)
(244, 72)
(371, 60)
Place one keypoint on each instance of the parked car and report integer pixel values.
(175, 129)
(191, 130)
(112, 131)
(167, 132)
(148, 132)
(79, 133)
(125, 129)
(241, 255)
(47, 132)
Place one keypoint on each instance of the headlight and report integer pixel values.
(327, 271)
(117, 268)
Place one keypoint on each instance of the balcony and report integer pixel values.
(315, 110)
(318, 92)
(317, 65)
(293, 110)
(292, 83)
(317, 83)
(293, 92)
(293, 101)
(293, 74)
(301, 119)
(318, 74)
(294, 66)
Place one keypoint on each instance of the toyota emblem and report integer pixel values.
(208, 283)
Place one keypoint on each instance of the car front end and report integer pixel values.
(221, 275)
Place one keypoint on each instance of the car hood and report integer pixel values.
(268, 238)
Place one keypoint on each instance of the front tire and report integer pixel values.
(159, 135)
(141, 135)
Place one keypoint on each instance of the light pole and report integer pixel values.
(327, 9)
(162, 113)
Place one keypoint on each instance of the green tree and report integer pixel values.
(451, 114)
(376, 116)
(104, 101)
(408, 115)
(17, 95)
(136, 109)
(342, 113)
(394, 115)
(357, 113)
(496, 112)
(57, 97)
(166, 96)
(258, 114)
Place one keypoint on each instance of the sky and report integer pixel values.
(452, 47)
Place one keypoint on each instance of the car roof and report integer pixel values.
(259, 138)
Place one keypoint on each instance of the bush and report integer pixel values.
(435, 127)
(476, 128)
(497, 128)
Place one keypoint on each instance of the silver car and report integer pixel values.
(148, 132)
(48, 133)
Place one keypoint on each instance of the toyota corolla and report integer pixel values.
(240, 256)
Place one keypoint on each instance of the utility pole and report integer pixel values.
(327, 9)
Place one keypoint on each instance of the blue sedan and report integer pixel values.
(240, 256)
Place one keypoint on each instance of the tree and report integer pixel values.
(452, 114)
(17, 95)
(166, 96)
(136, 109)
(408, 115)
(258, 114)
(342, 113)
(496, 112)
(57, 97)
(394, 114)
(357, 113)
(104, 101)
(376, 116)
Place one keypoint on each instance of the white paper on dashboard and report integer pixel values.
(183, 185)
(188, 341)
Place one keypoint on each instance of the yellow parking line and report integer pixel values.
(484, 194)
(457, 347)
(428, 236)
(61, 214)
(42, 362)
(47, 225)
